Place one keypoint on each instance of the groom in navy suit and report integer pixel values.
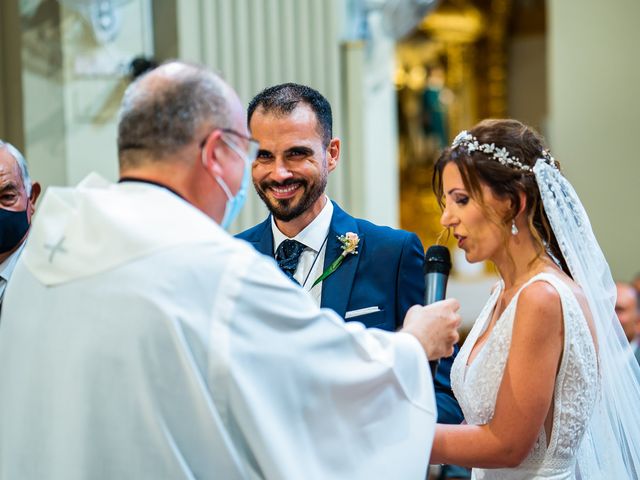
(364, 272)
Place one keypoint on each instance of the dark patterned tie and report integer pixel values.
(287, 256)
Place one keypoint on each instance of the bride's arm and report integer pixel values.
(524, 396)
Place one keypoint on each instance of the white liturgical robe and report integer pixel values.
(141, 341)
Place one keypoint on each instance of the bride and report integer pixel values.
(546, 379)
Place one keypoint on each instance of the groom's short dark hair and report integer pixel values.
(284, 98)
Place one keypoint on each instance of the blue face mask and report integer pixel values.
(235, 202)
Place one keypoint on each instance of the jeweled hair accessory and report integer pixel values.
(501, 154)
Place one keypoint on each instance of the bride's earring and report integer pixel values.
(514, 229)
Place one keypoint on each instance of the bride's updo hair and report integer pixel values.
(507, 173)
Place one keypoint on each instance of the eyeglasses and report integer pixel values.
(252, 144)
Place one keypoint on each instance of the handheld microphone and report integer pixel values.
(437, 265)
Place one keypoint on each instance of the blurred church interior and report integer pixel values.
(403, 77)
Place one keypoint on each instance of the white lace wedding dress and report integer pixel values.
(476, 386)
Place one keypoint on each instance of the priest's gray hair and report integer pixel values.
(22, 163)
(162, 110)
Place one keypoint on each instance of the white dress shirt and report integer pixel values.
(314, 238)
(6, 269)
(153, 345)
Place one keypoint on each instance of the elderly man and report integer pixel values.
(376, 287)
(627, 311)
(18, 197)
(152, 344)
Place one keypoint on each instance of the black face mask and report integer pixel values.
(13, 227)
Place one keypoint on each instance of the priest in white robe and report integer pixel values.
(140, 341)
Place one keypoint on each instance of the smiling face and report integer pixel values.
(290, 173)
(475, 226)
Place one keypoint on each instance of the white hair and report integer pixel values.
(22, 163)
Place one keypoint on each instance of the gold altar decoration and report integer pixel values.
(450, 74)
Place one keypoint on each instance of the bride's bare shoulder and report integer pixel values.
(538, 317)
(541, 302)
(540, 295)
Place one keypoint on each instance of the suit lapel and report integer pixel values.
(336, 288)
(264, 242)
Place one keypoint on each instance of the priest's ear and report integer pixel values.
(210, 153)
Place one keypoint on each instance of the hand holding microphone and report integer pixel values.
(436, 324)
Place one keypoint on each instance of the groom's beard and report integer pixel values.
(287, 209)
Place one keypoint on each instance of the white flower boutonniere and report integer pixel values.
(349, 243)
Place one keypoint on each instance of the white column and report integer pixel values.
(380, 161)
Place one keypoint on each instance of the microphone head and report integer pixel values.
(437, 260)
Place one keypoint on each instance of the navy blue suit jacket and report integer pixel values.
(386, 273)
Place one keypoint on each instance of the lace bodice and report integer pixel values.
(476, 386)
